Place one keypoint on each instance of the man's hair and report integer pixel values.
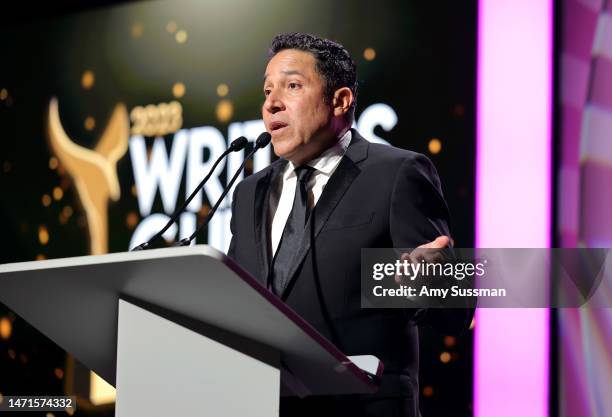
(333, 62)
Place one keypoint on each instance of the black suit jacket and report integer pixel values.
(379, 196)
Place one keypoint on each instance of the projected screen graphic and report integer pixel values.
(110, 117)
(585, 198)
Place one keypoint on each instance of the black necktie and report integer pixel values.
(293, 232)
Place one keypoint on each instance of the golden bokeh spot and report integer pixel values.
(181, 36)
(12, 354)
(171, 27)
(49, 415)
(40, 257)
(1, 398)
(445, 357)
(70, 411)
(59, 373)
(65, 214)
(88, 79)
(43, 234)
(131, 220)
(178, 90)
(53, 162)
(90, 123)
(204, 210)
(435, 146)
(369, 54)
(225, 110)
(137, 30)
(6, 328)
(449, 341)
(67, 211)
(428, 391)
(473, 323)
(222, 90)
(58, 193)
(3, 94)
(46, 200)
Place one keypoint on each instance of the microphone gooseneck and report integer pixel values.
(262, 141)
(235, 146)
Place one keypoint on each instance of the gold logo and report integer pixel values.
(94, 171)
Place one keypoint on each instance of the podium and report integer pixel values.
(181, 331)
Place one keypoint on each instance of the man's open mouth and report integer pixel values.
(276, 126)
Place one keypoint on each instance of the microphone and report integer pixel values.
(262, 141)
(235, 146)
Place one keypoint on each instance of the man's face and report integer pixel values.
(295, 111)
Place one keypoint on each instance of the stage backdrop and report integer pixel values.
(110, 117)
(584, 343)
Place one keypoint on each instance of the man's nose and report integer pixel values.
(273, 103)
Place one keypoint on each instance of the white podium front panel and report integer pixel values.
(164, 369)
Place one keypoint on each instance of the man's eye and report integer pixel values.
(293, 86)
(266, 93)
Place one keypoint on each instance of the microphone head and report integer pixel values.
(263, 140)
(238, 144)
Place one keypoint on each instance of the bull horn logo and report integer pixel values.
(94, 172)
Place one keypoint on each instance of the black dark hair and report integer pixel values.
(334, 63)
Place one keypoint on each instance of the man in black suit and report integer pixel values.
(299, 225)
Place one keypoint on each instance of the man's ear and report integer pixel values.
(343, 98)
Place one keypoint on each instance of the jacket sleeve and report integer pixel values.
(419, 215)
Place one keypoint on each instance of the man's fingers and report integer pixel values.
(440, 242)
(423, 254)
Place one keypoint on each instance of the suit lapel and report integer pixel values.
(333, 192)
(261, 204)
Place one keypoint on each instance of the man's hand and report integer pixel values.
(425, 253)
(440, 242)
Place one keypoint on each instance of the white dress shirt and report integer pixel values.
(282, 196)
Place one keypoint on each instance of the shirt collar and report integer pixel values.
(327, 162)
